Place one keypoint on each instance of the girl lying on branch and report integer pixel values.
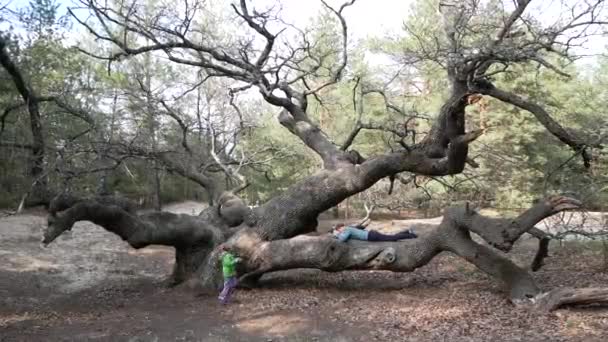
(358, 232)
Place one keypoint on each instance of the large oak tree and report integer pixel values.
(473, 46)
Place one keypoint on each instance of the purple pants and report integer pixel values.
(376, 236)
(228, 290)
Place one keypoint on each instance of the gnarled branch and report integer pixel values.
(328, 253)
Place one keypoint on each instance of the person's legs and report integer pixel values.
(407, 234)
(232, 289)
(224, 291)
(376, 236)
(228, 290)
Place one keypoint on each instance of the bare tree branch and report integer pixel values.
(344, 53)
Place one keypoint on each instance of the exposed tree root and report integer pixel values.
(560, 297)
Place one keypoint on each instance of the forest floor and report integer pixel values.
(91, 286)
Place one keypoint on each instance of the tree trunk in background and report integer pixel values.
(152, 131)
(39, 193)
(103, 187)
(335, 212)
(37, 161)
(157, 187)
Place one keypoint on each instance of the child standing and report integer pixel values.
(229, 262)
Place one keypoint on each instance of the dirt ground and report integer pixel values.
(91, 286)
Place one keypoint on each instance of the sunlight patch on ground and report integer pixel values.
(151, 251)
(6, 320)
(187, 207)
(25, 263)
(82, 258)
(275, 324)
(45, 318)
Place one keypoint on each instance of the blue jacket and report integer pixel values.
(352, 233)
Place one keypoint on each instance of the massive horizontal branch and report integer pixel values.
(301, 204)
(328, 253)
(138, 231)
(193, 237)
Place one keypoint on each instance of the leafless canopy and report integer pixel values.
(288, 73)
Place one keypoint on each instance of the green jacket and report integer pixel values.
(229, 262)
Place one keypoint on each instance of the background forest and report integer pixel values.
(100, 121)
